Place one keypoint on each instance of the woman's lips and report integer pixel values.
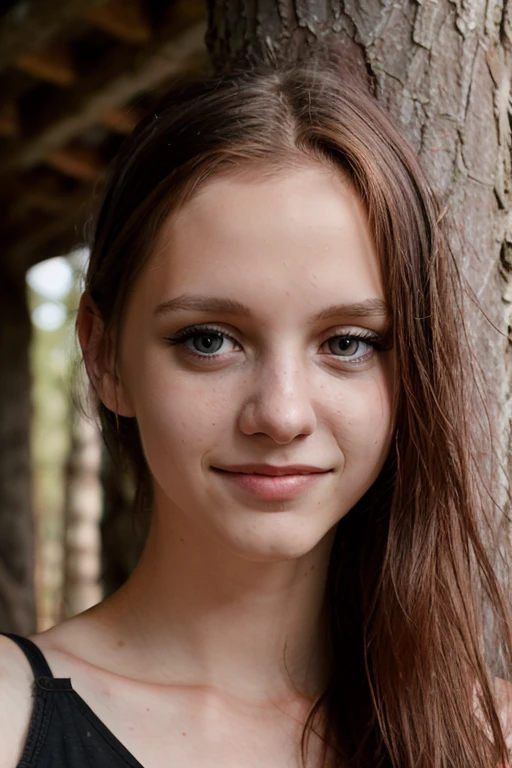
(273, 488)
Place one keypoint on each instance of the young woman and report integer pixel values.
(273, 331)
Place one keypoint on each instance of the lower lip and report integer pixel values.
(273, 488)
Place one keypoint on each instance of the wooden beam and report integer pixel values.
(121, 120)
(14, 84)
(9, 120)
(81, 163)
(118, 82)
(57, 204)
(31, 25)
(124, 19)
(44, 197)
(58, 235)
(54, 64)
(182, 13)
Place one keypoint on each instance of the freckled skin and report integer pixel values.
(278, 400)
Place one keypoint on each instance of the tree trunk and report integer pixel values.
(280, 29)
(17, 601)
(442, 69)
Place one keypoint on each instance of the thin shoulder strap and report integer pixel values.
(35, 657)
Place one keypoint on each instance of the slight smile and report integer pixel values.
(271, 482)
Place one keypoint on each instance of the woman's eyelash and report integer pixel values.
(372, 339)
(188, 333)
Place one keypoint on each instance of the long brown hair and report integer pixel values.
(410, 579)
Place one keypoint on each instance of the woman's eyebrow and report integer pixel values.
(368, 308)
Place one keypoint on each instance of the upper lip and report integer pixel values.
(269, 469)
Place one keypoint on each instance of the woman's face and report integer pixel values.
(236, 350)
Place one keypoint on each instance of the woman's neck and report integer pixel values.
(197, 614)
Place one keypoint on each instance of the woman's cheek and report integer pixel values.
(380, 432)
(366, 420)
(183, 420)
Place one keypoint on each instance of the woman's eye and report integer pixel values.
(348, 346)
(210, 342)
(204, 342)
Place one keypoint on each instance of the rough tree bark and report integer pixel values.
(17, 602)
(442, 68)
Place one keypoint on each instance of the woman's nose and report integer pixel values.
(279, 403)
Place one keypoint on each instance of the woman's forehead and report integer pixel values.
(313, 195)
(305, 231)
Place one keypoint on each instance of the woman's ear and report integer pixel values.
(98, 358)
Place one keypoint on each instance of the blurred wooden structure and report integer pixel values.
(75, 77)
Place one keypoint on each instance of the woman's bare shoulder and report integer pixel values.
(15, 701)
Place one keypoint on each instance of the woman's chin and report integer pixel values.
(278, 545)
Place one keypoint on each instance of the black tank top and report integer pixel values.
(64, 732)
